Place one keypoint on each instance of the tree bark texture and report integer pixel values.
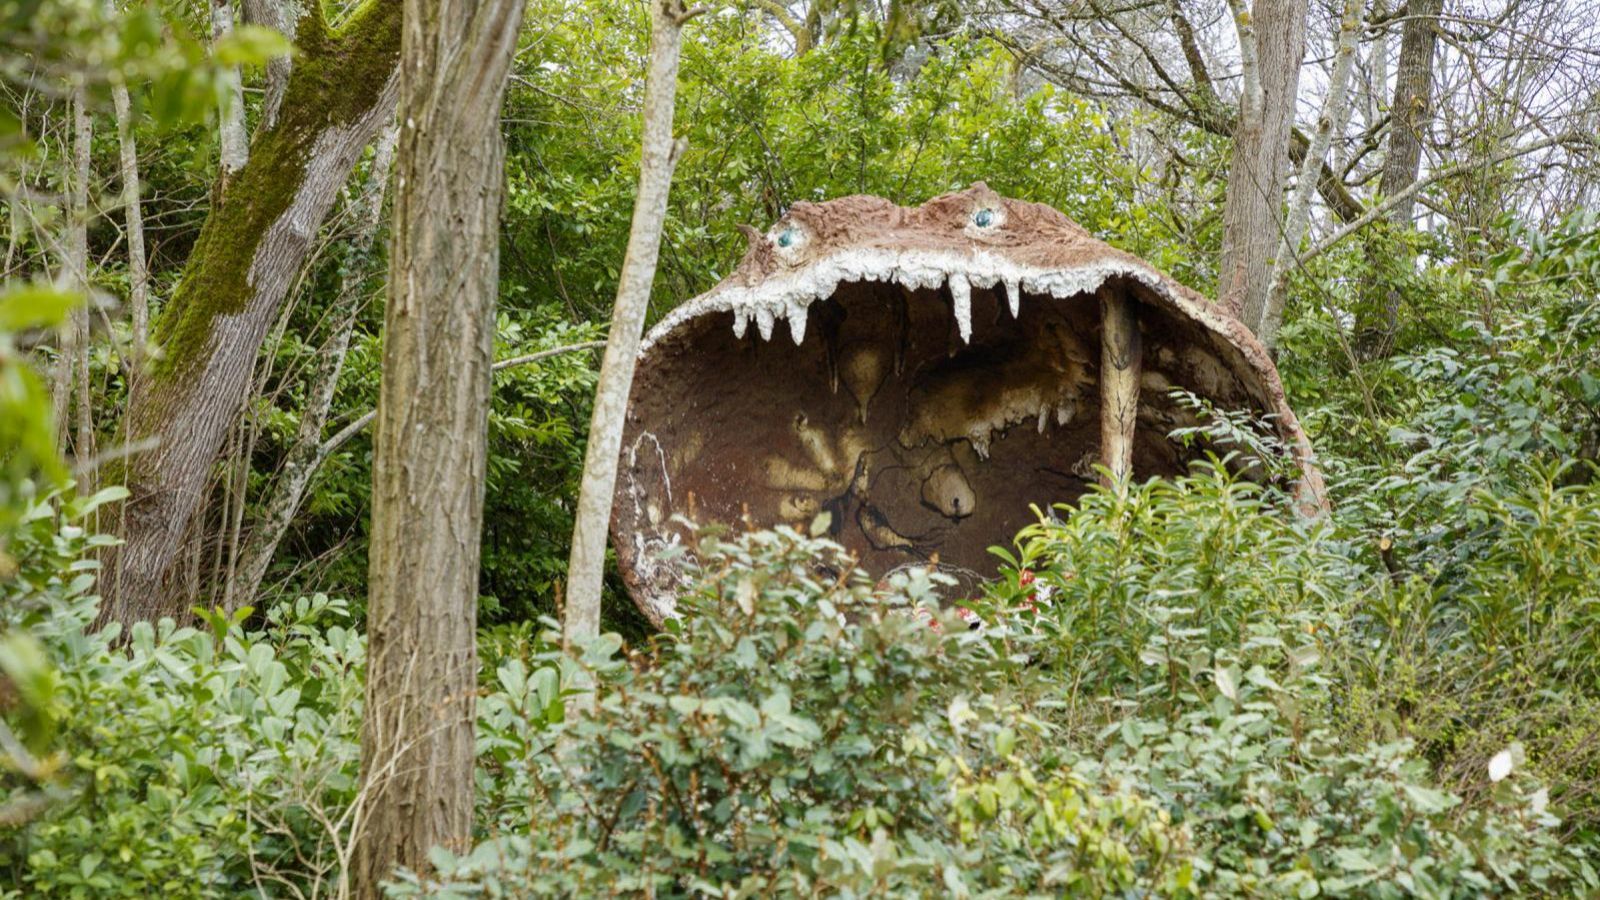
(272, 14)
(300, 463)
(72, 367)
(430, 448)
(234, 141)
(586, 568)
(1411, 112)
(246, 258)
(1272, 45)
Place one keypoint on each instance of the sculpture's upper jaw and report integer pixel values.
(974, 238)
(919, 340)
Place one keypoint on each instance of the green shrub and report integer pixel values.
(1166, 723)
(1506, 650)
(802, 731)
(1199, 640)
(188, 762)
(1128, 584)
(217, 761)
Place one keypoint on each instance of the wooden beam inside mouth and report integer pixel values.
(1121, 361)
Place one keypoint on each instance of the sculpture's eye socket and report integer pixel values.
(788, 237)
(983, 218)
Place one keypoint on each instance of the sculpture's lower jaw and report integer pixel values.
(927, 422)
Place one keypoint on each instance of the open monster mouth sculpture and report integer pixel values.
(946, 367)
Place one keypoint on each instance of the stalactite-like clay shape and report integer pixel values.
(941, 373)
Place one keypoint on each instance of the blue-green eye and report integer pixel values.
(786, 237)
(983, 218)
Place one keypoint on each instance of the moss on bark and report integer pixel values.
(337, 77)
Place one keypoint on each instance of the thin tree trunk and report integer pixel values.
(235, 144)
(1272, 45)
(1410, 116)
(1335, 111)
(248, 254)
(138, 266)
(271, 14)
(78, 249)
(300, 463)
(586, 569)
(71, 370)
(1378, 84)
(1411, 112)
(431, 446)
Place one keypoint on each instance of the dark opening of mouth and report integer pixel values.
(921, 443)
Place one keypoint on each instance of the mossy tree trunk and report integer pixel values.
(430, 447)
(248, 254)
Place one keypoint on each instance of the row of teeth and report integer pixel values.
(788, 295)
(795, 310)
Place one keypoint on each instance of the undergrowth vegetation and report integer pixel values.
(1178, 689)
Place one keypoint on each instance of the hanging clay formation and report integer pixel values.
(967, 360)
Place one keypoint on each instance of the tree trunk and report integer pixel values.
(1272, 44)
(271, 14)
(300, 463)
(431, 445)
(138, 265)
(1335, 110)
(72, 368)
(586, 569)
(234, 142)
(248, 254)
(1410, 115)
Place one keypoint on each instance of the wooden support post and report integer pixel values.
(1121, 359)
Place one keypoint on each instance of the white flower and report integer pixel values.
(1500, 766)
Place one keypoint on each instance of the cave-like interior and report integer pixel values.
(921, 444)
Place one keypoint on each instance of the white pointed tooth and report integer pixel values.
(764, 320)
(1014, 296)
(741, 321)
(1044, 419)
(797, 322)
(961, 297)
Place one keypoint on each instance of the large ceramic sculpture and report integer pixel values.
(926, 376)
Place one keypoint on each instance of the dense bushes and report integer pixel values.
(187, 762)
(1137, 726)
(1177, 690)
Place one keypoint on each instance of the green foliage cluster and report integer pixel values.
(1463, 472)
(27, 444)
(1123, 722)
(184, 762)
(804, 731)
